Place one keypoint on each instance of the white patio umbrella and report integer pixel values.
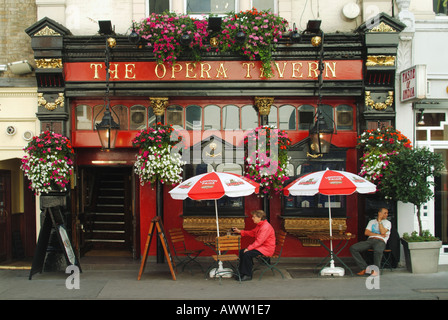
(213, 186)
(329, 182)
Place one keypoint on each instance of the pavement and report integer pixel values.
(115, 278)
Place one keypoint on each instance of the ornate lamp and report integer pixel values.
(320, 135)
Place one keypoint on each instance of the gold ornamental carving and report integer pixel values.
(48, 63)
(59, 102)
(382, 61)
(47, 31)
(200, 225)
(379, 105)
(159, 105)
(264, 104)
(382, 27)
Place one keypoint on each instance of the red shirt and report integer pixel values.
(264, 236)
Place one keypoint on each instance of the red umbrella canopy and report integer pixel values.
(329, 182)
(214, 185)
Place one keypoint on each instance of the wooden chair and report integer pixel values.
(226, 246)
(182, 254)
(270, 263)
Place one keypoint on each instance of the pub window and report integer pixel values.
(138, 117)
(158, 6)
(272, 118)
(265, 5)
(306, 116)
(287, 117)
(175, 116)
(227, 206)
(249, 117)
(209, 6)
(344, 117)
(212, 117)
(230, 117)
(151, 117)
(328, 113)
(122, 113)
(83, 117)
(193, 117)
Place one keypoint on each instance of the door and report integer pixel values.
(105, 212)
(5, 215)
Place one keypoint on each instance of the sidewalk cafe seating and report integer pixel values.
(182, 254)
(225, 246)
(270, 263)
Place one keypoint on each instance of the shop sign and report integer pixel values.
(212, 71)
(413, 83)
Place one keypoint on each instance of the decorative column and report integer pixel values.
(263, 105)
(159, 105)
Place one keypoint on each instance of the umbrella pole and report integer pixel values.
(331, 232)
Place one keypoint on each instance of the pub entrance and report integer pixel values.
(106, 210)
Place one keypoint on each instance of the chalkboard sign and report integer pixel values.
(53, 220)
(156, 223)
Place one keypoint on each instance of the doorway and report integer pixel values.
(5, 215)
(107, 223)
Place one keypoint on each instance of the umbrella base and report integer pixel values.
(221, 272)
(332, 271)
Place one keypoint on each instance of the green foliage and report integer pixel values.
(415, 237)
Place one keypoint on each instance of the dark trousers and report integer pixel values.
(246, 261)
(378, 247)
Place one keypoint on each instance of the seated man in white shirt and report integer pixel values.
(378, 232)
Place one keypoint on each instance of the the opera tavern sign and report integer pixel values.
(213, 70)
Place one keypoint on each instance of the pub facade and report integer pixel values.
(347, 78)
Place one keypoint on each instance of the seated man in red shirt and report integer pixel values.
(264, 243)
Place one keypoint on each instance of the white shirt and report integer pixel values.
(373, 227)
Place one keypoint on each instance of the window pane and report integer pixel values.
(121, 112)
(193, 117)
(138, 118)
(440, 6)
(158, 6)
(432, 119)
(212, 117)
(272, 118)
(306, 115)
(287, 115)
(210, 6)
(344, 118)
(327, 112)
(263, 5)
(175, 116)
(151, 117)
(230, 117)
(83, 117)
(249, 117)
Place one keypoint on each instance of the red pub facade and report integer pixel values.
(214, 102)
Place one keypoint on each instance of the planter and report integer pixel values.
(422, 257)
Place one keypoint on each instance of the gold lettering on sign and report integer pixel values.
(157, 72)
(248, 66)
(113, 71)
(129, 71)
(313, 67)
(221, 71)
(174, 70)
(281, 72)
(296, 68)
(95, 66)
(332, 69)
(189, 66)
(205, 70)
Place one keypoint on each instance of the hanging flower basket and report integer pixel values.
(267, 160)
(263, 30)
(48, 162)
(156, 159)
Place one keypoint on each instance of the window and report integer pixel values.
(83, 117)
(249, 117)
(433, 126)
(265, 5)
(175, 116)
(230, 117)
(210, 6)
(212, 117)
(440, 7)
(159, 6)
(193, 117)
(306, 116)
(344, 117)
(122, 113)
(287, 117)
(138, 117)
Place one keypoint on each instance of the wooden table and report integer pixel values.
(342, 241)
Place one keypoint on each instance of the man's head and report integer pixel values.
(383, 213)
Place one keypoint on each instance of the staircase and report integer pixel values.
(107, 220)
